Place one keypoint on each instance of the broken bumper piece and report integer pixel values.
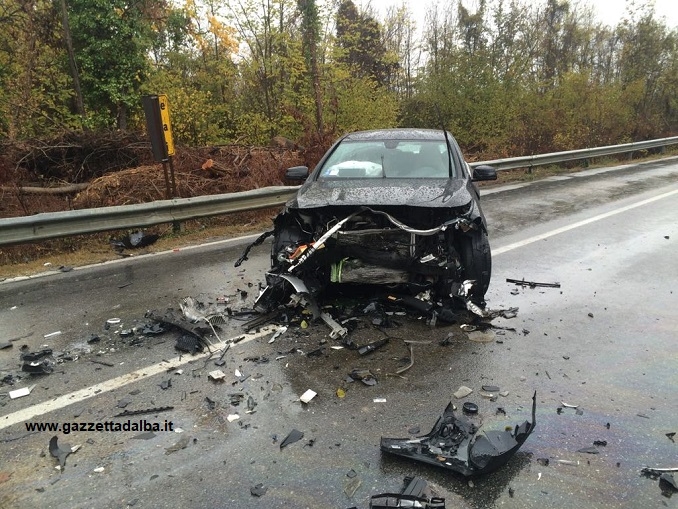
(414, 494)
(454, 445)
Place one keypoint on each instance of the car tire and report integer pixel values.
(476, 258)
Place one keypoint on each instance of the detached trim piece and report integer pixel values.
(453, 444)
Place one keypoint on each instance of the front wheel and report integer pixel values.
(476, 258)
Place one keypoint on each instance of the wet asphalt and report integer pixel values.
(604, 341)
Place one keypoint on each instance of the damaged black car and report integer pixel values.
(390, 207)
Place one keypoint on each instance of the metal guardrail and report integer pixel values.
(63, 224)
(573, 155)
(52, 225)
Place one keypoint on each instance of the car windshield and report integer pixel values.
(389, 159)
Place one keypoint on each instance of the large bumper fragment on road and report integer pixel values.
(454, 445)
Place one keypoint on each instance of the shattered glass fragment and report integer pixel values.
(462, 392)
(454, 445)
(351, 486)
(181, 444)
(294, 436)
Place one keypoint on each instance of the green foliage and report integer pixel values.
(111, 39)
(508, 77)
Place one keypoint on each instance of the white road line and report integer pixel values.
(536, 238)
(116, 383)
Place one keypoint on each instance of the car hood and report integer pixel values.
(375, 192)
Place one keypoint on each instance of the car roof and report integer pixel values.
(401, 133)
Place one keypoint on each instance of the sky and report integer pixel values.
(609, 12)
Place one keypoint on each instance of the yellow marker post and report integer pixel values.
(166, 124)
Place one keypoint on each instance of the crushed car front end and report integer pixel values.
(360, 218)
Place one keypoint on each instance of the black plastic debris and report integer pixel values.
(601, 443)
(454, 445)
(371, 347)
(667, 483)
(532, 284)
(60, 452)
(258, 490)
(36, 356)
(189, 343)
(38, 363)
(152, 329)
(363, 375)
(124, 402)
(470, 408)
(134, 241)
(251, 404)
(155, 410)
(671, 435)
(415, 493)
(257, 242)
(294, 436)
(490, 388)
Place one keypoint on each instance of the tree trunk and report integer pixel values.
(79, 103)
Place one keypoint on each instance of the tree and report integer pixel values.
(359, 44)
(111, 39)
(310, 33)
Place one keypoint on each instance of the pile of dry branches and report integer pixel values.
(197, 172)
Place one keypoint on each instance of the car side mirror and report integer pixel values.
(484, 172)
(297, 173)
